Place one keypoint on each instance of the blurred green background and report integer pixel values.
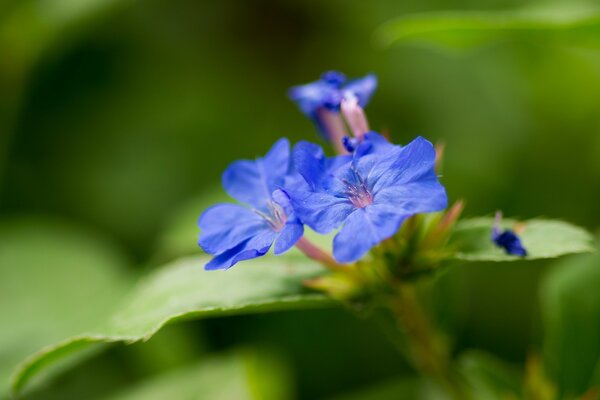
(118, 117)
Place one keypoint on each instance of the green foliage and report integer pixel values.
(55, 281)
(402, 388)
(243, 375)
(485, 377)
(489, 377)
(116, 123)
(542, 239)
(75, 304)
(570, 302)
(571, 24)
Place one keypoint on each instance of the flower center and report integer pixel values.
(358, 193)
(360, 197)
(276, 218)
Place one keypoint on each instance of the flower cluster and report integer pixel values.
(364, 193)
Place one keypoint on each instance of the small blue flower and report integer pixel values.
(231, 232)
(350, 143)
(507, 239)
(373, 142)
(327, 94)
(368, 196)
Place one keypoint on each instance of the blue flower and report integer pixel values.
(507, 239)
(327, 94)
(373, 142)
(369, 196)
(231, 232)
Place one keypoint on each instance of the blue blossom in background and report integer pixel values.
(317, 100)
(507, 239)
(369, 196)
(231, 232)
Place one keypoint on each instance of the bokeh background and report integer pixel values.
(118, 117)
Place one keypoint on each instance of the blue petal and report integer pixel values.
(334, 78)
(312, 96)
(283, 199)
(252, 182)
(254, 247)
(410, 163)
(332, 164)
(225, 226)
(363, 88)
(425, 195)
(322, 211)
(363, 229)
(288, 237)
(309, 161)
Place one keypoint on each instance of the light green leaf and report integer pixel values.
(573, 23)
(242, 375)
(542, 238)
(55, 281)
(570, 302)
(183, 290)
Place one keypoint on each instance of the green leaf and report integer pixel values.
(56, 280)
(489, 377)
(411, 387)
(242, 375)
(183, 290)
(577, 24)
(570, 302)
(542, 239)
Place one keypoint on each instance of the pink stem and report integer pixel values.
(334, 126)
(355, 116)
(317, 254)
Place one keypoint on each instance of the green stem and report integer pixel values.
(427, 350)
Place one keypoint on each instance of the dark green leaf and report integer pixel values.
(570, 302)
(489, 377)
(411, 387)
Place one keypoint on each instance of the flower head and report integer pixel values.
(507, 239)
(320, 99)
(368, 195)
(232, 232)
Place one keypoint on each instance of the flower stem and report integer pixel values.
(355, 116)
(334, 126)
(427, 350)
(314, 252)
